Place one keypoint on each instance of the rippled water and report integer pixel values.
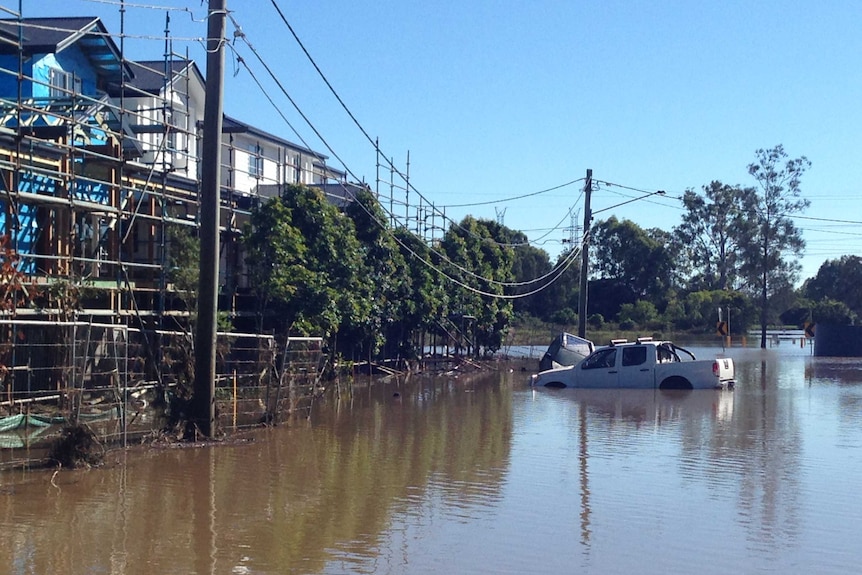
(483, 475)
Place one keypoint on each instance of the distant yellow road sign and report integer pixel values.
(809, 329)
(721, 328)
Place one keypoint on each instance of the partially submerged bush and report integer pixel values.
(77, 446)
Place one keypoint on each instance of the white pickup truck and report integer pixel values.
(643, 364)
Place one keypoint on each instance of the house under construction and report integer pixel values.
(99, 193)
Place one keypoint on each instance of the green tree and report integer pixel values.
(426, 294)
(184, 261)
(674, 311)
(640, 313)
(482, 256)
(560, 299)
(700, 310)
(530, 263)
(596, 321)
(276, 260)
(838, 280)
(306, 265)
(384, 271)
(184, 274)
(714, 227)
(632, 264)
(832, 311)
(769, 257)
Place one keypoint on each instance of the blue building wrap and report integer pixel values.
(23, 231)
(90, 192)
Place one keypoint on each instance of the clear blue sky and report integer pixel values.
(498, 99)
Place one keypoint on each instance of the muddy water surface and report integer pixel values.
(482, 475)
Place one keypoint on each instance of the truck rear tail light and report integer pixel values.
(715, 368)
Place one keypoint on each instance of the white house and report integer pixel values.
(164, 107)
(254, 160)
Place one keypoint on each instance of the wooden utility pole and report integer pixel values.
(585, 257)
(205, 337)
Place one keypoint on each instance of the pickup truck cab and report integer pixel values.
(643, 364)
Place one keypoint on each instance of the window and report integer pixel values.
(603, 358)
(297, 169)
(255, 161)
(634, 355)
(63, 83)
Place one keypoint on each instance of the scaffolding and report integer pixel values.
(98, 189)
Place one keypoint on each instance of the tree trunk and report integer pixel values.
(763, 298)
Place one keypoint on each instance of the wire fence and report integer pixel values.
(131, 385)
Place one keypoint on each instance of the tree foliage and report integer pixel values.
(480, 258)
(305, 264)
(367, 287)
(370, 288)
(838, 280)
(426, 301)
(770, 258)
(378, 269)
(832, 311)
(714, 228)
(631, 263)
(528, 264)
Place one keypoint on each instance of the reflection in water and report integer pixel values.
(481, 474)
(601, 412)
(290, 501)
(584, 474)
(834, 370)
(735, 464)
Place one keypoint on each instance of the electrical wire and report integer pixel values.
(828, 220)
(243, 37)
(149, 7)
(566, 262)
(30, 24)
(503, 201)
(365, 133)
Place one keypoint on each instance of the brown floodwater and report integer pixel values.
(480, 474)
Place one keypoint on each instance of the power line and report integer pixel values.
(504, 200)
(160, 39)
(373, 142)
(828, 220)
(241, 35)
(149, 7)
(559, 268)
(365, 133)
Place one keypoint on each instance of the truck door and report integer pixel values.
(637, 369)
(599, 370)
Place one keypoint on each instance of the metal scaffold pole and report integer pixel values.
(205, 337)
